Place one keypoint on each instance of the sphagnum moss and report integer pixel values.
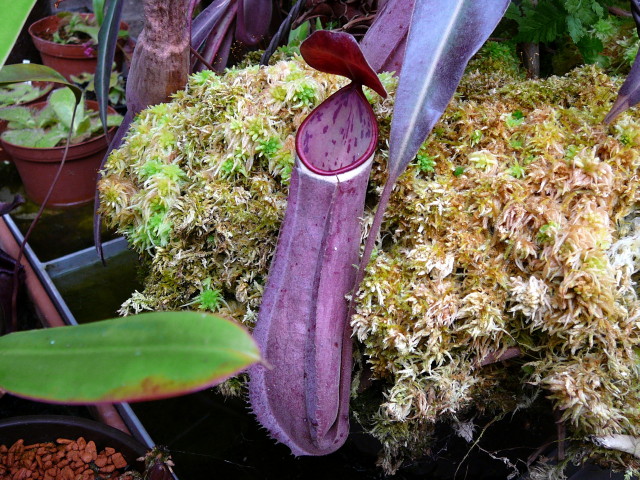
(511, 232)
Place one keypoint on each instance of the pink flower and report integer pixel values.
(89, 51)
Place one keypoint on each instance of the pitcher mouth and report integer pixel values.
(369, 134)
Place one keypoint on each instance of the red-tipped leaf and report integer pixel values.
(143, 357)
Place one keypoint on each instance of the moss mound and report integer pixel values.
(510, 236)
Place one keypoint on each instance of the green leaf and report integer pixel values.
(63, 103)
(51, 138)
(83, 128)
(597, 8)
(98, 11)
(23, 137)
(31, 72)
(114, 120)
(19, 117)
(542, 23)
(46, 117)
(297, 35)
(12, 20)
(90, 30)
(590, 48)
(142, 357)
(575, 28)
(19, 93)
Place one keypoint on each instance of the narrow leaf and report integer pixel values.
(254, 18)
(11, 22)
(629, 94)
(31, 72)
(207, 21)
(143, 357)
(98, 10)
(218, 44)
(443, 37)
(107, 41)
(385, 41)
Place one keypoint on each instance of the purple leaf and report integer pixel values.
(6, 207)
(340, 54)
(107, 41)
(303, 329)
(218, 44)
(629, 94)
(206, 21)
(443, 36)
(385, 41)
(254, 18)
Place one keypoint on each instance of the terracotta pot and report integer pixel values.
(66, 59)
(46, 86)
(77, 183)
(48, 428)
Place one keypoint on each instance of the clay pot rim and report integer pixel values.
(35, 31)
(91, 104)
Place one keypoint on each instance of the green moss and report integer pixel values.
(509, 231)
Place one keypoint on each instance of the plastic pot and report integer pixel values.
(66, 59)
(38, 166)
(48, 428)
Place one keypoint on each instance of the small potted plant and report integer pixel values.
(68, 41)
(116, 92)
(25, 93)
(35, 139)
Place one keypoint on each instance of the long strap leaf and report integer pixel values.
(107, 40)
(443, 36)
(206, 21)
(385, 41)
(146, 356)
(254, 18)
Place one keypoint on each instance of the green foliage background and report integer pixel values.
(587, 24)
